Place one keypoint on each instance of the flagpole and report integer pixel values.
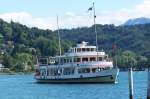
(95, 30)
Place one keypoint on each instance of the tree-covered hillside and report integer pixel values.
(134, 38)
(19, 44)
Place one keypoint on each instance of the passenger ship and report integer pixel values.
(81, 64)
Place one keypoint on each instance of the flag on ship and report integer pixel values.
(92, 8)
(114, 48)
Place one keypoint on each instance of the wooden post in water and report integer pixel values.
(130, 83)
(148, 87)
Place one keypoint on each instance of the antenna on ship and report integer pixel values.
(59, 40)
(95, 30)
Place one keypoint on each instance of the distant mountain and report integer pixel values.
(137, 21)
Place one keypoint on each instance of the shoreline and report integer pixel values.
(15, 73)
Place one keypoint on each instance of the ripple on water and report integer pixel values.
(24, 87)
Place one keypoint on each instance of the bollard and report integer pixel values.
(130, 83)
(148, 87)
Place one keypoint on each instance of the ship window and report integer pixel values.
(84, 70)
(75, 50)
(68, 71)
(100, 58)
(53, 71)
(85, 59)
(67, 60)
(93, 70)
(92, 49)
(48, 72)
(88, 49)
(92, 59)
(83, 49)
(70, 60)
(78, 49)
(78, 59)
(75, 59)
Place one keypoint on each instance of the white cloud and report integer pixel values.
(118, 17)
(72, 20)
(29, 20)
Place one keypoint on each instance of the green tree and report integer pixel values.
(23, 62)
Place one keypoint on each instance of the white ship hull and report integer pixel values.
(105, 76)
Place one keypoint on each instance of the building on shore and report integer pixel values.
(1, 67)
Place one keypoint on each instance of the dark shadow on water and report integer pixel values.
(45, 83)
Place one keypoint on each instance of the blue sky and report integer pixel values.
(51, 7)
(44, 11)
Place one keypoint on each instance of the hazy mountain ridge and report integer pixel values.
(137, 21)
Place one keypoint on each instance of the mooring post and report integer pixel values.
(130, 83)
(148, 87)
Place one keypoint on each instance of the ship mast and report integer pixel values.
(95, 30)
(59, 40)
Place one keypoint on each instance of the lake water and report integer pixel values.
(24, 87)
